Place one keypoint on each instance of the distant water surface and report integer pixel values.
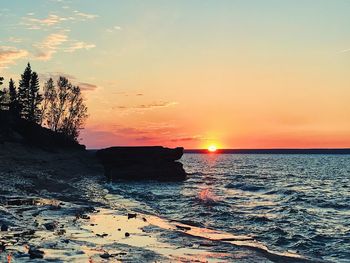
(295, 203)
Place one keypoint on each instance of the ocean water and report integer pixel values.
(298, 203)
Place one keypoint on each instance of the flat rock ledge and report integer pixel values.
(142, 163)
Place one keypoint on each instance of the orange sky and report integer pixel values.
(238, 74)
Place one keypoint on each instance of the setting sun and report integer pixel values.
(212, 148)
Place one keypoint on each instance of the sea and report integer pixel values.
(289, 203)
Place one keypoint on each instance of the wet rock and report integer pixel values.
(4, 227)
(35, 253)
(102, 235)
(106, 255)
(184, 228)
(2, 247)
(61, 232)
(127, 234)
(50, 226)
(84, 216)
(130, 215)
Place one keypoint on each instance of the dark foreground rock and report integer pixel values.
(17, 130)
(142, 163)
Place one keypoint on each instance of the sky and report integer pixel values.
(191, 73)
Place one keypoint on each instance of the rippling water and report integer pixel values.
(297, 203)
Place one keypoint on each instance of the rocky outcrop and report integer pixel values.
(142, 163)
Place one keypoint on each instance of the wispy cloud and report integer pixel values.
(8, 55)
(344, 51)
(76, 45)
(37, 23)
(84, 16)
(115, 28)
(49, 45)
(150, 106)
(14, 40)
(84, 86)
(186, 139)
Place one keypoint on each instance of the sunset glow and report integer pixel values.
(182, 73)
(212, 148)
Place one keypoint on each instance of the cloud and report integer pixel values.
(37, 23)
(148, 106)
(14, 40)
(8, 55)
(115, 28)
(49, 45)
(344, 51)
(76, 45)
(186, 139)
(51, 20)
(84, 16)
(84, 86)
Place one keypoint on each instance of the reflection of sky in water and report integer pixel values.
(289, 202)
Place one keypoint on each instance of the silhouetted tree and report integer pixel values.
(29, 97)
(13, 99)
(65, 110)
(35, 99)
(48, 104)
(4, 99)
(23, 91)
(3, 95)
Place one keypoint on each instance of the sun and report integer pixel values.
(212, 148)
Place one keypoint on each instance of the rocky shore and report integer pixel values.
(55, 205)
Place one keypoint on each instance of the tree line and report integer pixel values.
(59, 106)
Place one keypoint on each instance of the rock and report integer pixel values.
(142, 163)
(105, 255)
(83, 216)
(4, 227)
(184, 228)
(102, 235)
(35, 253)
(50, 226)
(142, 154)
(127, 234)
(2, 247)
(144, 219)
(130, 215)
(119, 229)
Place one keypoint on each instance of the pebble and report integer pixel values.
(130, 215)
(35, 253)
(4, 227)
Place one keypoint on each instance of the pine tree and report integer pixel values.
(29, 97)
(35, 99)
(3, 95)
(13, 97)
(23, 92)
